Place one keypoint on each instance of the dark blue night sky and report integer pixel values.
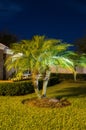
(61, 19)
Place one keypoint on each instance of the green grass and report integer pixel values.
(14, 115)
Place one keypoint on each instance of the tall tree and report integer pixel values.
(38, 55)
(8, 38)
(80, 45)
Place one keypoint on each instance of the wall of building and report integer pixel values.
(4, 74)
(80, 70)
(1, 64)
(8, 73)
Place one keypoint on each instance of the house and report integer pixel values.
(4, 53)
(79, 70)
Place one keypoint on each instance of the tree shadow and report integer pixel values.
(72, 92)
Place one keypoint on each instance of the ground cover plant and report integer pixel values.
(14, 115)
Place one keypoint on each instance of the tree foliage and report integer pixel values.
(38, 53)
(80, 45)
(7, 38)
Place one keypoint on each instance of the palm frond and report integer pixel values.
(39, 52)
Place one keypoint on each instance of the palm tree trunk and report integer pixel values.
(35, 78)
(45, 82)
(75, 74)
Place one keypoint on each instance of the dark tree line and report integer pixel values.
(80, 45)
(7, 38)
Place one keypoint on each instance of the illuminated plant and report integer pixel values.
(38, 55)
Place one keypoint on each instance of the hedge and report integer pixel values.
(22, 87)
(71, 77)
(16, 88)
(26, 87)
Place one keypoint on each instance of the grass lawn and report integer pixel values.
(14, 115)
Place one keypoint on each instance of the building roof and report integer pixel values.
(5, 49)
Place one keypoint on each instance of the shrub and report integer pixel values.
(71, 77)
(26, 87)
(23, 87)
(16, 88)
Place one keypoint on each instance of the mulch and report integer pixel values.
(46, 102)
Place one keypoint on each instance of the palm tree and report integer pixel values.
(38, 55)
(80, 62)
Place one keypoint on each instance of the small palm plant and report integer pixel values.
(38, 55)
(78, 61)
